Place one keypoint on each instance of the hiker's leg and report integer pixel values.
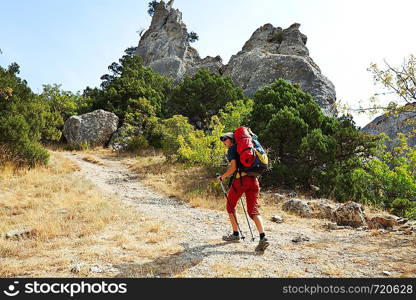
(234, 194)
(259, 223)
(233, 222)
(252, 197)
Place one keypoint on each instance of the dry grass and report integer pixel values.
(71, 220)
(92, 159)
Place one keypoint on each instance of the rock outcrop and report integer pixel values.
(269, 54)
(350, 214)
(382, 222)
(273, 53)
(165, 46)
(94, 128)
(297, 207)
(402, 122)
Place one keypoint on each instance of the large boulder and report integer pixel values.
(94, 128)
(297, 207)
(382, 222)
(273, 53)
(322, 209)
(350, 214)
(392, 124)
(269, 54)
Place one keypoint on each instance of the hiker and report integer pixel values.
(246, 184)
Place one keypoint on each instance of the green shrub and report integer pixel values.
(307, 147)
(25, 120)
(236, 114)
(202, 96)
(389, 179)
(137, 143)
(131, 90)
(65, 103)
(203, 148)
(400, 206)
(170, 130)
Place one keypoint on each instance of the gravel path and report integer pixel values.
(340, 253)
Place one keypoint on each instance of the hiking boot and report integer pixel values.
(231, 238)
(263, 244)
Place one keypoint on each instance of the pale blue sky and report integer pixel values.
(71, 42)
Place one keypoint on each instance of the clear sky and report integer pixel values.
(71, 42)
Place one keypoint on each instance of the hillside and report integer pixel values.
(143, 233)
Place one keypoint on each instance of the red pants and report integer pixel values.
(251, 188)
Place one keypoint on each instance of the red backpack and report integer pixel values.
(245, 146)
(253, 157)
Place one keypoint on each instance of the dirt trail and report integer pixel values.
(340, 253)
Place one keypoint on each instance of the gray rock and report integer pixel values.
(96, 269)
(165, 47)
(77, 268)
(298, 207)
(277, 219)
(393, 124)
(278, 196)
(265, 58)
(94, 128)
(20, 233)
(300, 238)
(330, 226)
(322, 209)
(350, 214)
(402, 221)
(382, 222)
(269, 54)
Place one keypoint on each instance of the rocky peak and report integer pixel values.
(278, 41)
(166, 36)
(270, 53)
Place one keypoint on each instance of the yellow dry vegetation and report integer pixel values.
(70, 221)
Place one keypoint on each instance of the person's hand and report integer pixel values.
(219, 178)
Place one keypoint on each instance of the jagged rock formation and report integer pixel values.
(269, 54)
(276, 53)
(94, 128)
(403, 122)
(165, 47)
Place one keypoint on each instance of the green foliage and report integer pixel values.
(200, 97)
(306, 146)
(203, 148)
(65, 103)
(389, 179)
(137, 143)
(24, 121)
(278, 37)
(152, 7)
(132, 91)
(236, 114)
(400, 206)
(170, 130)
(192, 37)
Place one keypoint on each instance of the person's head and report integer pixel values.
(228, 139)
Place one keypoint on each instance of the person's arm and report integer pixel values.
(230, 171)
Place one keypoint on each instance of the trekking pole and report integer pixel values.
(228, 203)
(248, 222)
